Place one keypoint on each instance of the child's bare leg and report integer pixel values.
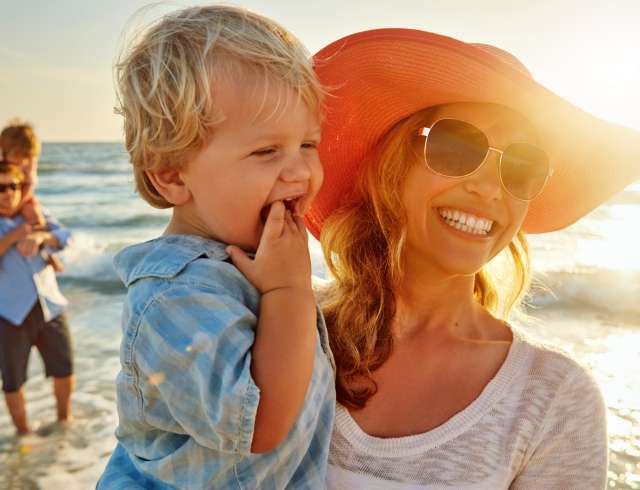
(54, 261)
(62, 389)
(17, 410)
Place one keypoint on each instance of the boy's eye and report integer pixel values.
(310, 145)
(264, 152)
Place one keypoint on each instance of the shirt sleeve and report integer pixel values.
(57, 229)
(4, 227)
(571, 450)
(193, 354)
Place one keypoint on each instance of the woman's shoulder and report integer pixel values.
(545, 355)
(552, 372)
(563, 416)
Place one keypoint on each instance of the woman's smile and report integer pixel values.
(466, 223)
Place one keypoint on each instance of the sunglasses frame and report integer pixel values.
(425, 132)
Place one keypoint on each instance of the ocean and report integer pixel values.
(586, 299)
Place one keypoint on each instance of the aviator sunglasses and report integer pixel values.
(13, 186)
(455, 148)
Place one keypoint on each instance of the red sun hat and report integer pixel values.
(377, 78)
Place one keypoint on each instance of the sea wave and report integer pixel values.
(95, 284)
(83, 169)
(87, 259)
(138, 220)
(90, 265)
(611, 291)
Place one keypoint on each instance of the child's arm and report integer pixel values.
(10, 238)
(283, 352)
(30, 244)
(32, 212)
(55, 236)
(27, 189)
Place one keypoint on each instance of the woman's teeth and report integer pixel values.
(466, 222)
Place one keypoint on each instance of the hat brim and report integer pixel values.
(377, 78)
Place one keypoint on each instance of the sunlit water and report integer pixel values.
(591, 308)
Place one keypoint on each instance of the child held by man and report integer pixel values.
(20, 146)
(226, 375)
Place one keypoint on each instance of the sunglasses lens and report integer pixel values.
(455, 148)
(6, 187)
(525, 169)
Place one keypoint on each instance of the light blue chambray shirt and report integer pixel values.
(186, 399)
(25, 280)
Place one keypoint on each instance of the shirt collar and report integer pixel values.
(165, 257)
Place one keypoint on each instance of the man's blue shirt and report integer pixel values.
(25, 280)
(186, 398)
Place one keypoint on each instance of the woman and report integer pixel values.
(438, 156)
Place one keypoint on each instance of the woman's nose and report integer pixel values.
(486, 181)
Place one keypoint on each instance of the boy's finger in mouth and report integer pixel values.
(290, 204)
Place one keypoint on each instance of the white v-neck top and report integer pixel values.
(540, 424)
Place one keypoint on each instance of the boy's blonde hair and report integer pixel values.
(7, 168)
(19, 138)
(166, 81)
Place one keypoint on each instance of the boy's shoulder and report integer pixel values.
(184, 260)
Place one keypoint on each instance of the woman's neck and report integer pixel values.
(432, 301)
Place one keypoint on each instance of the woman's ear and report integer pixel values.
(169, 184)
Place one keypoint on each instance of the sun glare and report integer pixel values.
(598, 73)
(618, 244)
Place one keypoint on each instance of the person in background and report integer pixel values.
(439, 155)
(20, 145)
(31, 305)
(226, 376)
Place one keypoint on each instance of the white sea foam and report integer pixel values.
(616, 292)
(608, 290)
(85, 258)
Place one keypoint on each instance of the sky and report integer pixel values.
(56, 57)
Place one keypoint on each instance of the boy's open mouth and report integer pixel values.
(290, 205)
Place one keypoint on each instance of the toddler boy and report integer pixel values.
(226, 376)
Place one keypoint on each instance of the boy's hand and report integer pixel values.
(282, 259)
(30, 244)
(19, 232)
(32, 213)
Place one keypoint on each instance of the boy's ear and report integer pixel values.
(169, 185)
